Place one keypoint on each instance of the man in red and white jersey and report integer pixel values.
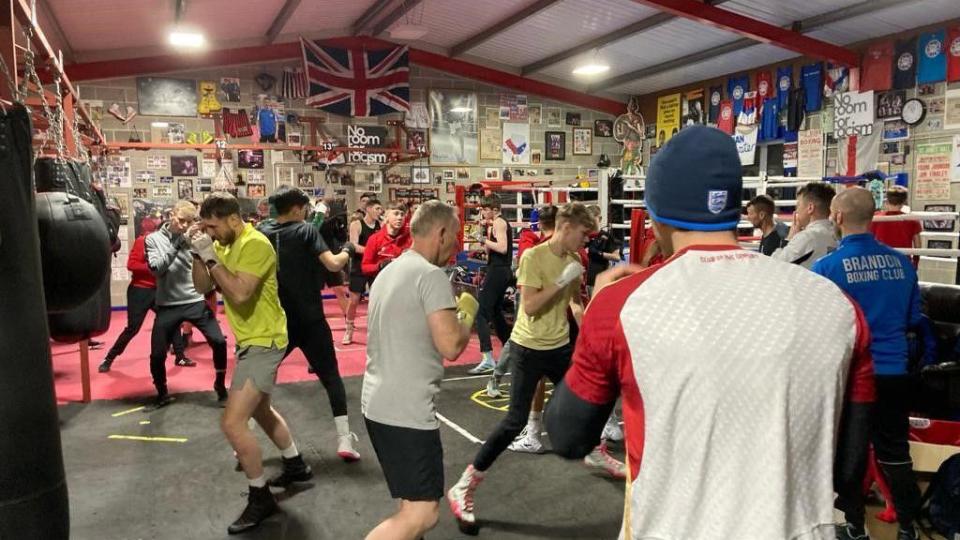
(730, 429)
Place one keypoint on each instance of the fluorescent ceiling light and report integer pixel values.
(408, 31)
(592, 68)
(179, 38)
(461, 109)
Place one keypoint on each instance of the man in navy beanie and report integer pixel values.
(730, 428)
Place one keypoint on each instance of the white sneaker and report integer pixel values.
(612, 431)
(493, 387)
(460, 496)
(527, 443)
(486, 365)
(601, 460)
(345, 447)
(347, 335)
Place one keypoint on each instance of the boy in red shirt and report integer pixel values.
(897, 234)
(387, 243)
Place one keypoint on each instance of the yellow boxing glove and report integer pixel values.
(467, 307)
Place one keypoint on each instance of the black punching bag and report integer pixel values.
(33, 488)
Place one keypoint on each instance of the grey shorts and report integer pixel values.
(259, 364)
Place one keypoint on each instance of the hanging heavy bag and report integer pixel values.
(33, 489)
(74, 250)
(941, 501)
(89, 319)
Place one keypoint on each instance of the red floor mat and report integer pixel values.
(130, 375)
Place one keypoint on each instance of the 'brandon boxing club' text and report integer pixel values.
(867, 268)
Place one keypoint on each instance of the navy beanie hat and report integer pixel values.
(695, 181)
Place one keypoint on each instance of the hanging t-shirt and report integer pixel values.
(725, 122)
(953, 54)
(811, 77)
(716, 94)
(876, 71)
(784, 85)
(764, 85)
(905, 64)
(932, 64)
(737, 86)
(837, 80)
(750, 111)
(796, 109)
(770, 120)
(267, 122)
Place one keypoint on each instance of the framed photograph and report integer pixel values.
(146, 177)
(166, 179)
(582, 142)
(294, 138)
(898, 159)
(140, 193)
(490, 143)
(454, 135)
(536, 156)
(163, 191)
(417, 141)
(573, 119)
(895, 130)
(535, 113)
(420, 175)
(256, 191)
(556, 144)
(491, 116)
(250, 159)
(451, 187)
(369, 180)
(185, 189)
(554, 120)
(515, 144)
(603, 128)
(491, 173)
(890, 148)
(449, 174)
(939, 244)
(463, 173)
(939, 225)
(305, 180)
(230, 89)
(158, 96)
(184, 166)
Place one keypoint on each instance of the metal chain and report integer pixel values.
(14, 91)
(60, 119)
(82, 152)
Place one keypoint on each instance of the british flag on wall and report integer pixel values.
(356, 81)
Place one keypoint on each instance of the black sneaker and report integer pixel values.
(260, 506)
(221, 391)
(105, 365)
(183, 361)
(294, 470)
(910, 533)
(160, 402)
(848, 531)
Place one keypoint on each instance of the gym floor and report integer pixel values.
(170, 474)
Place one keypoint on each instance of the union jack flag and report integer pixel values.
(356, 82)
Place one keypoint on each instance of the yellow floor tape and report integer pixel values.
(128, 411)
(148, 439)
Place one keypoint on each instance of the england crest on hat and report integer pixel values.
(717, 200)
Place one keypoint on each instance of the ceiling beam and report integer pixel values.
(610, 37)
(67, 49)
(369, 15)
(394, 16)
(281, 19)
(132, 67)
(500, 26)
(806, 25)
(756, 30)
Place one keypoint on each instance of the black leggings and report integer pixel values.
(314, 338)
(495, 284)
(169, 319)
(529, 366)
(139, 301)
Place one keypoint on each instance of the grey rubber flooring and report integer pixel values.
(133, 489)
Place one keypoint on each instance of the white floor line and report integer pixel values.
(470, 378)
(469, 436)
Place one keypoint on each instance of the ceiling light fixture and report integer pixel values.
(461, 109)
(593, 68)
(193, 40)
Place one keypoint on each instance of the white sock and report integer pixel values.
(258, 482)
(535, 424)
(343, 426)
(290, 452)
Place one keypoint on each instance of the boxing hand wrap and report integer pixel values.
(572, 272)
(349, 248)
(202, 246)
(467, 307)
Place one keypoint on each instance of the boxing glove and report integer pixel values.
(467, 307)
(572, 272)
(202, 246)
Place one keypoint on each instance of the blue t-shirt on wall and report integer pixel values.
(812, 78)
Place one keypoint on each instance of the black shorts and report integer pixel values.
(411, 459)
(358, 283)
(334, 279)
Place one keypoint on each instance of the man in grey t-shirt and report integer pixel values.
(413, 323)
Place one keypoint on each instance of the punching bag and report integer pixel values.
(92, 317)
(33, 488)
